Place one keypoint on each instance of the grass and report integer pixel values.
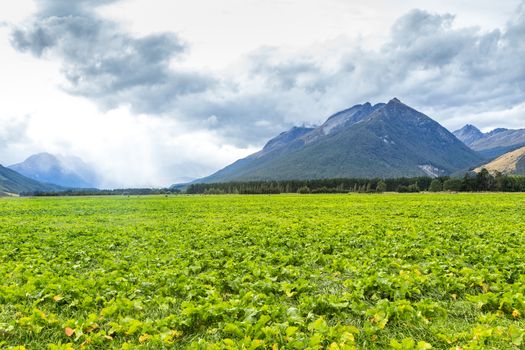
(285, 271)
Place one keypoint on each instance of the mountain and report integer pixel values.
(12, 182)
(365, 141)
(512, 163)
(468, 134)
(285, 138)
(69, 172)
(491, 144)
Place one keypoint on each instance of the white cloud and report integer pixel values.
(221, 31)
(126, 149)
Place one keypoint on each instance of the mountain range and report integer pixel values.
(384, 140)
(12, 182)
(364, 141)
(491, 144)
(70, 172)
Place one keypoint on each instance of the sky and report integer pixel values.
(156, 92)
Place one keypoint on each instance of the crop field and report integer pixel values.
(415, 271)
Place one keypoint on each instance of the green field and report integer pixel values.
(256, 272)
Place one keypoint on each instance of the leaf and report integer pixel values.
(319, 325)
(290, 331)
(228, 342)
(334, 346)
(316, 340)
(421, 345)
(144, 337)
(408, 343)
(69, 331)
(232, 329)
(91, 328)
(347, 337)
(516, 335)
(395, 345)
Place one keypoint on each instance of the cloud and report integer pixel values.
(13, 135)
(163, 151)
(429, 63)
(250, 114)
(443, 67)
(104, 64)
(426, 61)
(283, 72)
(13, 131)
(64, 8)
(444, 71)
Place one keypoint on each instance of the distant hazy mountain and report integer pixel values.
(13, 182)
(469, 134)
(69, 172)
(491, 144)
(384, 140)
(511, 163)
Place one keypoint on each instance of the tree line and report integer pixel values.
(95, 192)
(470, 182)
(480, 182)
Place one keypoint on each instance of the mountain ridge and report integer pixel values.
(384, 140)
(493, 143)
(12, 182)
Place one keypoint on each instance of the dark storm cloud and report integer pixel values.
(426, 61)
(103, 63)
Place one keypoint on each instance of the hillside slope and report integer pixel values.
(510, 163)
(385, 140)
(13, 182)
